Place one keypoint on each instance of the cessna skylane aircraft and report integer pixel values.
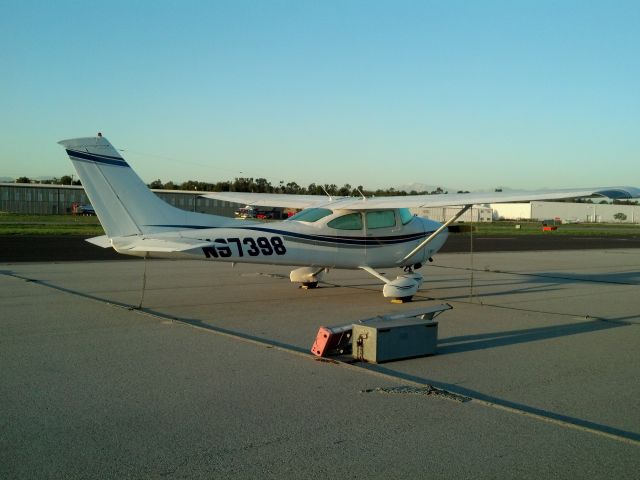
(330, 232)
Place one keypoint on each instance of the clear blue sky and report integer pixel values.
(464, 94)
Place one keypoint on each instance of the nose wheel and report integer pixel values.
(411, 268)
(403, 288)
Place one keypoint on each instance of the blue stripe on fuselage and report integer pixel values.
(346, 240)
(93, 157)
(339, 240)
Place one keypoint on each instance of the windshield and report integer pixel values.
(311, 214)
(405, 215)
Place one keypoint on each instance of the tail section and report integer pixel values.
(123, 203)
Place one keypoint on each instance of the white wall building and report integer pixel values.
(567, 212)
(442, 214)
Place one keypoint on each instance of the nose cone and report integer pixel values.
(430, 226)
(437, 243)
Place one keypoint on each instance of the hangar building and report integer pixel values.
(43, 199)
(478, 213)
(566, 212)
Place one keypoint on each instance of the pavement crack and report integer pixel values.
(426, 390)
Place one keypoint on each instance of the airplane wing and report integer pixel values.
(273, 199)
(417, 201)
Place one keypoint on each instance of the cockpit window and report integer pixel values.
(381, 219)
(405, 215)
(311, 214)
(350, 221)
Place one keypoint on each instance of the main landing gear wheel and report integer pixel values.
(307, 276)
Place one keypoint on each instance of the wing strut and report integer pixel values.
(376, 274)
(425, 242)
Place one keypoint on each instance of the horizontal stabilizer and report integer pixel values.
(141, 244)
(101, 241)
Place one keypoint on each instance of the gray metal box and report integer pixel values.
(386, 340)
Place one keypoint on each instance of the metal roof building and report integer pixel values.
(44, 199)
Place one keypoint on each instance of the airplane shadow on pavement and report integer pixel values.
(483, 341)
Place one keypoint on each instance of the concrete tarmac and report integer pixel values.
(212, 378)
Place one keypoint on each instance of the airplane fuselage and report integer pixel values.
(353, 244)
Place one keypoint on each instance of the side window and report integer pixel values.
(382, 219)
(351, 221)
(311, 214)
(405, 215)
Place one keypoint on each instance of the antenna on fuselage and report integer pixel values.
(325, 191)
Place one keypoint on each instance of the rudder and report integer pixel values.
(123, 203)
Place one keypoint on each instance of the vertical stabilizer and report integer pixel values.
(123, 203)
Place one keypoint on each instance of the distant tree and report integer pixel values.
(198, 186)
(23, 180)
(242, 184)
(66, 180)
(331, 189)
(621, 217)
(156, 184)
(262, 185)
(314, 189)
(292, 188)
(356, 192)
(388, 192)
(188, 185)
(345, 190)
(222, 187)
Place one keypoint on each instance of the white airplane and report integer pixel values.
(330, 232)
